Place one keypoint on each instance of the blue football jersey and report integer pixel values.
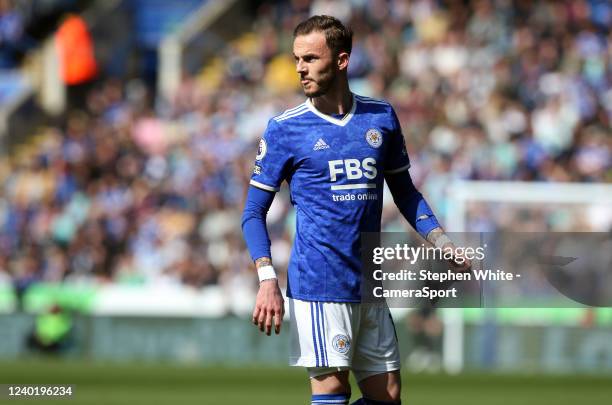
(335, 169)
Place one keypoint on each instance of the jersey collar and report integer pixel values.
(342, 122)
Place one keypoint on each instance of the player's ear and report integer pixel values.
(343, 60)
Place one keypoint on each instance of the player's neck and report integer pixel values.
(335, 101)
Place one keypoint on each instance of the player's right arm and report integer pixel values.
(269, 304)
(272, 166)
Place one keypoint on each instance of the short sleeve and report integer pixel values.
(272, 163)
(397, 159)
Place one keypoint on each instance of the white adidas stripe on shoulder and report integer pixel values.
(295, 114)
(286, 115)
(291, 110)
(369, 100)
(373, 102)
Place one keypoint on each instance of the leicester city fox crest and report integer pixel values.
(374, 137)
(341, 343)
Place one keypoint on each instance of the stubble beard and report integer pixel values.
(322, 85)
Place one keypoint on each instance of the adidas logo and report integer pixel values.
(320, 145)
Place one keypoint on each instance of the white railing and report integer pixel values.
(171, 47)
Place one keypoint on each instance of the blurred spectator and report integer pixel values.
(75, 48)
(425, 332)
(52, 332)
(12, 39)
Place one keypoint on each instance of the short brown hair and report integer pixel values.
(338, 37)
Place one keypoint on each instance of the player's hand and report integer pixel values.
(458, 261)
(269, 306)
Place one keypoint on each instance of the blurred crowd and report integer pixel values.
(23, 24)
(139, 191)
(13, 41)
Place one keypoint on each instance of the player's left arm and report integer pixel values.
(409, 200)
(418, 213)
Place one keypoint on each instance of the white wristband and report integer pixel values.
(266, 273)
(443, 240)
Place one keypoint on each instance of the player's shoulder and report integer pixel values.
(291, 114)
(374, 103)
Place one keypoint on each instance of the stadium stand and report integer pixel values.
(129, 194)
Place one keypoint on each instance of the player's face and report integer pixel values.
(315, 63)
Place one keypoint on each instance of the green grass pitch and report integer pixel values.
(135, 384)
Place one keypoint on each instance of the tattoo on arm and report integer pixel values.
(263, 261)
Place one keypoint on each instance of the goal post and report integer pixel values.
(524, 194)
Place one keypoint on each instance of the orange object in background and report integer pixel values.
(76, 51)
